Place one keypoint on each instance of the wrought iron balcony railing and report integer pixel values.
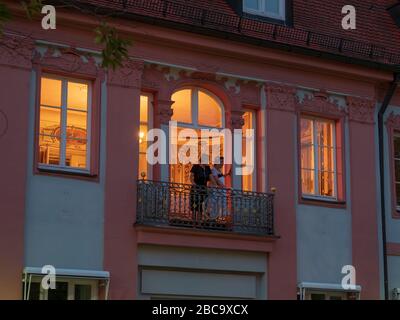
(183, 205)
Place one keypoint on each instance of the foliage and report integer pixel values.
(5, 15)
(32, 8)
(115, 49)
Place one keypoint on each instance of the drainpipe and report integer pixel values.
(381, 113)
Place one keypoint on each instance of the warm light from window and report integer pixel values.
(210, 113)
(182, 106)
(63, 123)
(247, 180)
(318, 170)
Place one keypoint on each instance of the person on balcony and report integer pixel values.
(200, 176)
(217, 201)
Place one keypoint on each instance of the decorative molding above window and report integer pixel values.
(68, 60)
(393, 121)
(319, 103)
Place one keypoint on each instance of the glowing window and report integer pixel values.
(248, 151)
(318, 154)
(197, 107)
(145, 125)
(64, 130)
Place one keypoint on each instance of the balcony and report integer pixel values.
(217, 209)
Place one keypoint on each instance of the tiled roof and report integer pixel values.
(316, 24)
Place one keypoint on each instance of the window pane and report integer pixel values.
(317, 296)
(307, 157)
(142, 138)
(306, 131)
(34, 293)
(59, 293)
(324, 133)
(396, 144)
(50, 94)
(77, 96)
(182, 106)
(397, 169)
(398, 194)
(76, 124)
(325, 159)
(247, 180)
(251, 4)
(83, 292)
(144, 109)
(210, 113)
(76, 153)
(272, 6)
(49, 150)
(50, 119)
(326, 184)
(307, 181)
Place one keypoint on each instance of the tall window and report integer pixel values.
(145, 126)
(64, 130)
(248, 181)
(269, 8)
(396, 154)
(318, 158)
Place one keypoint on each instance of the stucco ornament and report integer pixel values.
(16, 51)
(361, 110)
(129, 75)
(68, 60)
(280, 97)
(320, 103)
(393, 121)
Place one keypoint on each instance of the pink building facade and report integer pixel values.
(73, 195)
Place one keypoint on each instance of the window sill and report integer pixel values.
(322, 202)
(66, 172)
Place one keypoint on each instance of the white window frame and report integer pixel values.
(316, 196)
(263, 11)
(63, 123)
(72, 282)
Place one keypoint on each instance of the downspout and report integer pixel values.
(381, 113)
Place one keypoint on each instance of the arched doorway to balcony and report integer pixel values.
(197, 109)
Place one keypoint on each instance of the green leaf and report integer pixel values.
(32, 8)
(5, 15)
(115, 49)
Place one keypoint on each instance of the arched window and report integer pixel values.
(197, 108)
